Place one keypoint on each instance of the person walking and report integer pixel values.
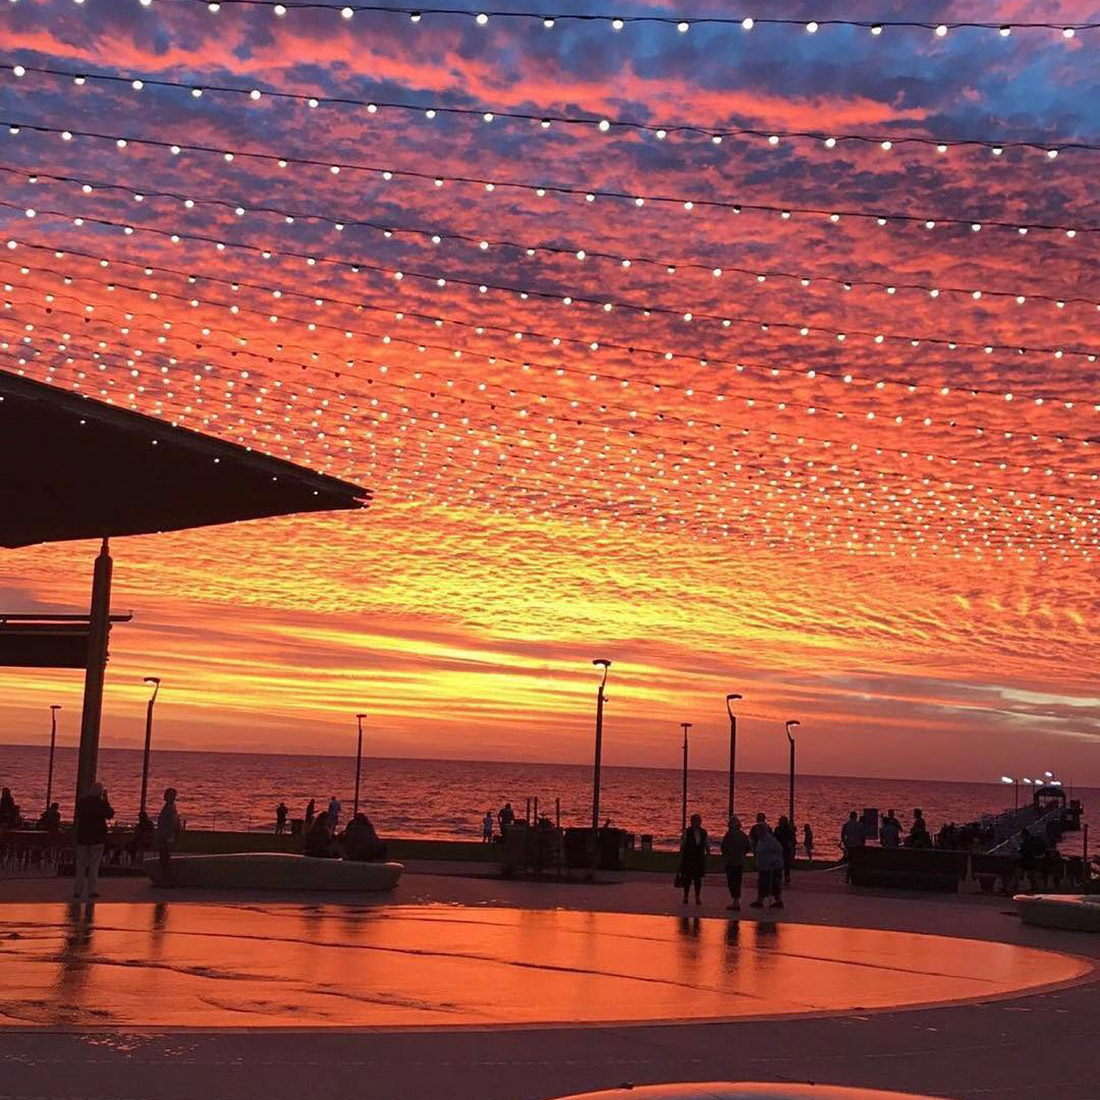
(168, 827)
(280, 818)
(93, 812)
(487, 828)
(808, 842)
(788, 839)
(694, 849)
(735, 846)
(769, 871)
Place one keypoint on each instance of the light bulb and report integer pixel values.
(481, 19)
(941, 30)
(748, 24)
(812, 27)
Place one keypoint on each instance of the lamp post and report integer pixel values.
(685, 726)
(54, 708)
(358, 762)
(733, 750)
(1016, 784)
(599, 662)
(790, 801)
(155, 681)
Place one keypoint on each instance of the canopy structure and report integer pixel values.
(75, 468)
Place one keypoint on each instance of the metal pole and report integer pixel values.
(557, 812)
(790, 803)
(1016, 808)
(155, 681)
(358, 762)
(599, 662)
(733, 751)
(684, 803)
(54, 708)
(99, 626)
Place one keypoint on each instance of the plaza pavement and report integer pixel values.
(1019, 1048)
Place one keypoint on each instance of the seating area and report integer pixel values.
(1075, 912)
(274, 871)
(930, 869)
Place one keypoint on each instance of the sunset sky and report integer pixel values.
(642, 374)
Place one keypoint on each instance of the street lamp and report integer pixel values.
(790, 802)
(54, 708)
(155, 681)
(1016, 784)
(733, 749)
(358, 762)
(685, 726)
(599, 662)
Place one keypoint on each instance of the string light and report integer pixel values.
(541, 190)
(772, 136)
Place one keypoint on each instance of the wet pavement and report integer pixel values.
(184, 965)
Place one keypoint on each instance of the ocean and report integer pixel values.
(446, 799)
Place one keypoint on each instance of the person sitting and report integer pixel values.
(9, 811)
(318, 840)
(889, 834)
(50, 820)
(918, 834)
(361, 842)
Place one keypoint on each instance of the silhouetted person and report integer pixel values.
(788, 838)
(808, 841)
(889, 834)
(93, 811)
(280, 818)
(361, 842)
(769, 870)
(851, 836)
(333, 814)
(506, 817)
(758, 830)
(51, 818)
(318, 840)
(145, 836)
(9, 811)
(168, 827)
(694, 847)
(918, 832)
(735, 847)
(487, 828)
(311, 809)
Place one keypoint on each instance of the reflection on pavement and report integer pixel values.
(192, 965)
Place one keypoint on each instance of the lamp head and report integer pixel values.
(789, 724)
(360, 716)
(152, 679)
(1049, 775)
(732, 695)
(1006, 779)
(55, 706)
(602, 662)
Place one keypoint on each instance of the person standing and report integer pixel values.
(93, 812)
(758, 830)
(333, 815)
(694, 849)
(889, 834)
(769, 871)
(168, 827)
(735, 846)
(487, 828)
(788, 838)
(851, 836)
(280, 818)
(311, 810)
(808, 841)
(505, 817)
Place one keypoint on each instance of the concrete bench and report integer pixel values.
(1078, 912)
(717, 1090)
(908, 868)
(274, 871)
